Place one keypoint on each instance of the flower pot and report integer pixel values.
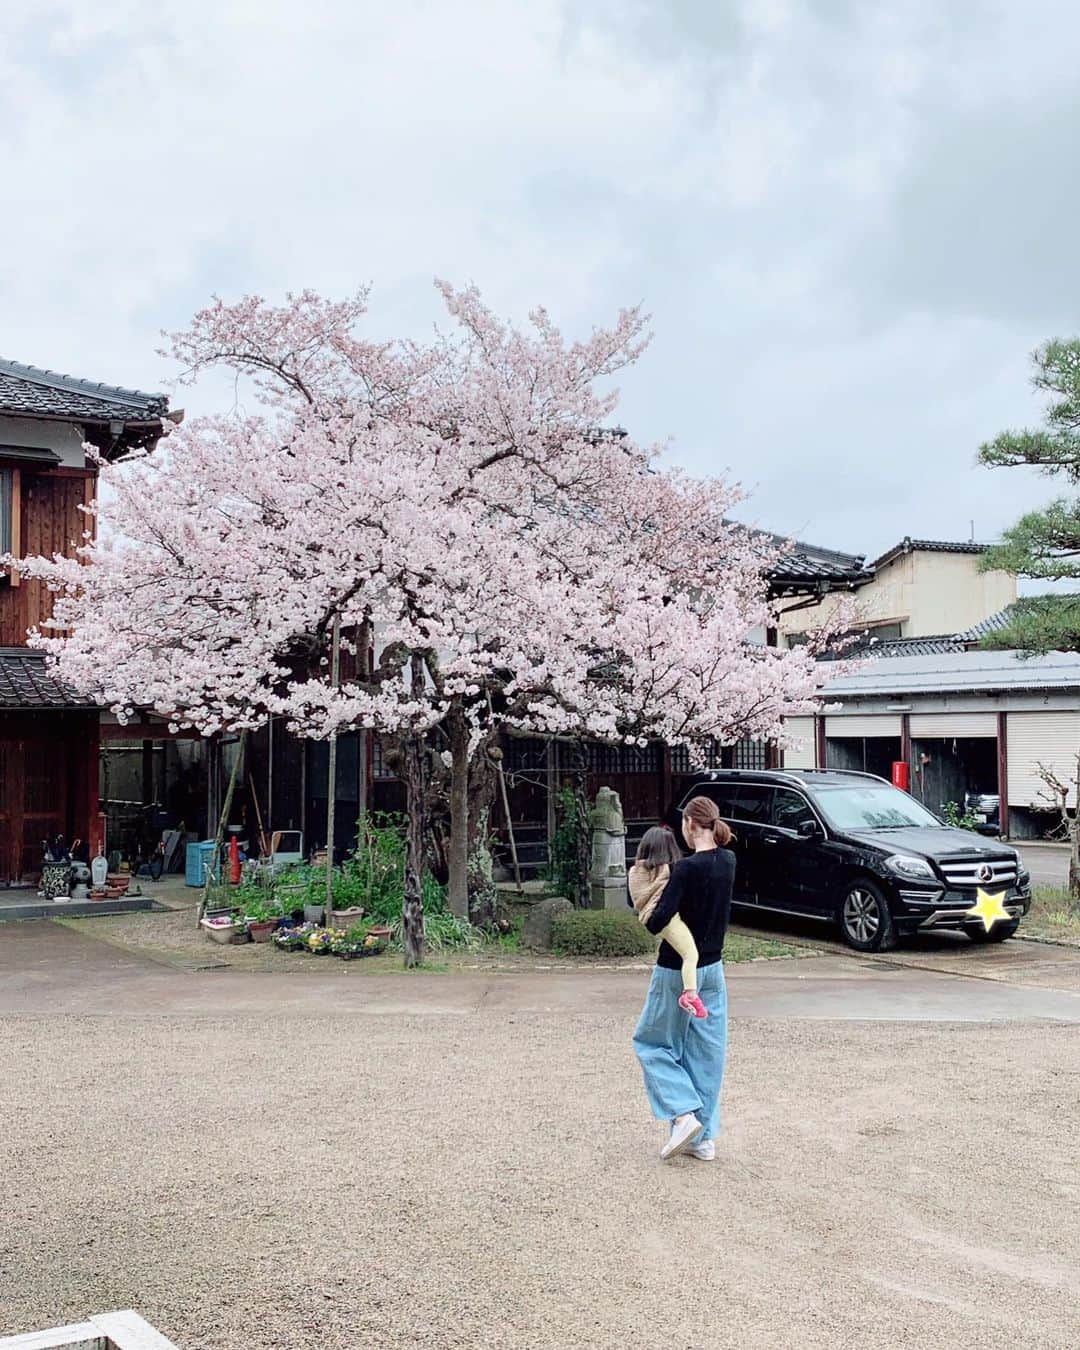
(262, 930)
(314, 913)
(383, 933)
(345, 918)
(223, 933)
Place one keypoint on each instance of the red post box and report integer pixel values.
(901, 775)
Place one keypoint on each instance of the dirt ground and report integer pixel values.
(488, 1180)
(465, 1158)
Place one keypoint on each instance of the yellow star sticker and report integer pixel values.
(990, 908)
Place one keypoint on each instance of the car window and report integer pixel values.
(877, 807)
(719, 793)
(750, 801)
(790, 809)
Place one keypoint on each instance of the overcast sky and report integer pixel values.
(851, 222)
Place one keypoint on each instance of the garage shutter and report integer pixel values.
(953, 724)
(804, 756)
(863, 724)
(1053, 739)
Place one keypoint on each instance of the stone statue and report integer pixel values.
(607, 870)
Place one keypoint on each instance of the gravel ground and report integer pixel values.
(371, 1182)
(172, 937)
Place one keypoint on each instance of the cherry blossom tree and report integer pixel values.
(456, 505)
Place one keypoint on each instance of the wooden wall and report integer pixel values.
(49, 521)
(48, 785)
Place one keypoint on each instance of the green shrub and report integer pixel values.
(564, 851)
(958, 816)
(373, 876)
(600, 932)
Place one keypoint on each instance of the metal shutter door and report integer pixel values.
(805, 756)
(864, 724)
(1053, 739)
(953, 724)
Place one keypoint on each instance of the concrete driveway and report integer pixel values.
(300, 1160)
(1047, 863)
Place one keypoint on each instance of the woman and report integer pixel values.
(682, 1058)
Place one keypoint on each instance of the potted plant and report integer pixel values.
(261, 911)
(320, 941)
(350, 893)
(223, 928)
(356, 942)
(291, 939)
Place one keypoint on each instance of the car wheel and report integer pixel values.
(865, 919)
(999, 933)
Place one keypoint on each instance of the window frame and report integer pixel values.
(805, 798)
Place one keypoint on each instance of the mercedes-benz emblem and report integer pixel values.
(984, 872)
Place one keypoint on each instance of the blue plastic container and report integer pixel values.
(197, 859)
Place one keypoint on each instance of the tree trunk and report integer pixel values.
(223, 820)
(415, 763)
(412, 912)
(331, 785)
(458, 852)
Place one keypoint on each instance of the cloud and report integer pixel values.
(845, 219)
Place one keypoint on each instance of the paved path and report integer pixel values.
(1048, 863)
(47, 969)
(330, 1160)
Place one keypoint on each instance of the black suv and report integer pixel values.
(851, 849)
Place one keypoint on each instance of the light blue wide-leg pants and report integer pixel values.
(681, 1057)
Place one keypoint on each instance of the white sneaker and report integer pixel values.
(683, 1133)
(706, 1150)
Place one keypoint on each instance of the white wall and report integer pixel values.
(62, 438)
(928, 593)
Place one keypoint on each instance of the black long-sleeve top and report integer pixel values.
(700, 893)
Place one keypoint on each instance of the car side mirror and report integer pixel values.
(810, 829)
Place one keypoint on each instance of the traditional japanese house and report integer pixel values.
(49, 739)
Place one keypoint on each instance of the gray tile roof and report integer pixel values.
(916, 646)
(991, 625)
(807, 562)
(28, 391)
(909, 545)
(25, 683)
(968, 671)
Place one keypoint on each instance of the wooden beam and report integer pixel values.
(145, 731)
(1003, 772)
(16, 522)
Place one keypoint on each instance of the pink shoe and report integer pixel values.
(690, 1002)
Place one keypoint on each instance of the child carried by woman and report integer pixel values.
(657, 854)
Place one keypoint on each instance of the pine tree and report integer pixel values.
(1044, 545)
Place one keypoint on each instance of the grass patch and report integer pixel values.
(510, 941)
(1053, 913)
(738, 947)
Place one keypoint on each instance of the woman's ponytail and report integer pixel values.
(705, 815)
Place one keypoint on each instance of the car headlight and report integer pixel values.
(905, 865)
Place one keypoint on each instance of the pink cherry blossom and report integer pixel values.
(518, 567)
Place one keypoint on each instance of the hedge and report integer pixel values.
(600, 932)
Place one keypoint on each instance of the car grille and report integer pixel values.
(964, 872)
